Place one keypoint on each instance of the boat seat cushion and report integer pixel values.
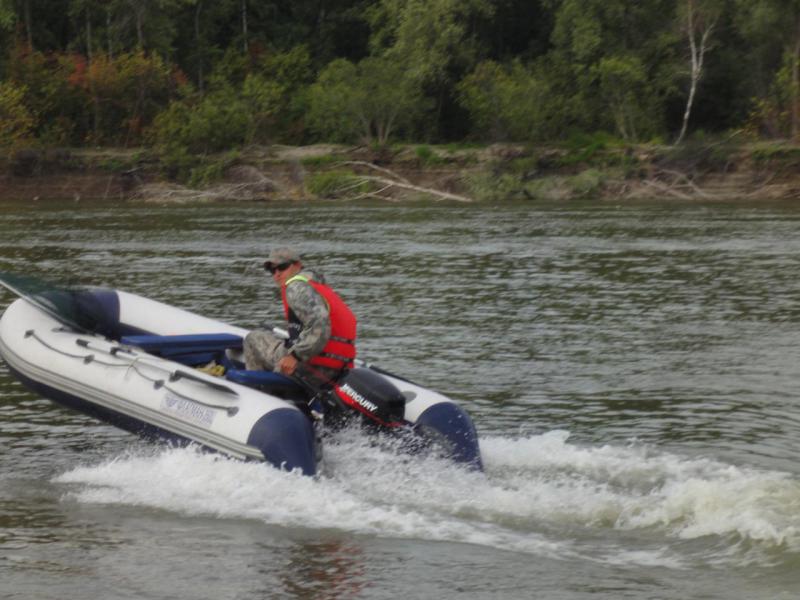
(176, 345)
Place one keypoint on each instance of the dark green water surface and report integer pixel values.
(633, 371)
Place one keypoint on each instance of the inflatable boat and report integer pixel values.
(142, 365)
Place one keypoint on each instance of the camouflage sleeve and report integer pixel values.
(311, 308)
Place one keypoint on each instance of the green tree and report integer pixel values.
(601, 43)
(507, 102)
(205, 125)
(773, 27)
(262, 99)
(7, 20)
(7, 14)
(276, 95)
(329, 28)
(204, 30)
(369, 101)
(127, 92)
(145, 25)
(56, 105)
(16, 122)
(193, 127)
(435, 42)
(622, 81)
(81, 13)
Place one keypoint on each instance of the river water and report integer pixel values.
(632, 371)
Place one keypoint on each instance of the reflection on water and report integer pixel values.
(324, 570)
(663, 339)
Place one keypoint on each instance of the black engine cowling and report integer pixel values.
(370, 394)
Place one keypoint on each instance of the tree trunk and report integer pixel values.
(199, 46)
(139, 32)
(244, 26)
(320, 20)
(620, 117)
(139, 7)
(108, 32)
(88, 37)
(795, 109)
(28, 28)
(696, 56)
(384, 130)
(366, 129)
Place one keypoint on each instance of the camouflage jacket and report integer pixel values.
(312, 310)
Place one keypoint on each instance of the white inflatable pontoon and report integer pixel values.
(131, 361)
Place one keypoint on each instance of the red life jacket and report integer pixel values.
(340, 350)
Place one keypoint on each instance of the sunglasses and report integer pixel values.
(272, 269)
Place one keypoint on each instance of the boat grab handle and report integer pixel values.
(176, 375)
(157, 383)
(84, 357)
(173, 375)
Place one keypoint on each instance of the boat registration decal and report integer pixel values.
(188, 410)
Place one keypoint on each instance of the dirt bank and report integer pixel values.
(715, 171)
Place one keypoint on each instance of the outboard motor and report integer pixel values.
(370, 394)
(443, 426)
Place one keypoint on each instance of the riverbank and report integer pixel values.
(586, 170)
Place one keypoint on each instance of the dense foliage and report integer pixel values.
(192, 77)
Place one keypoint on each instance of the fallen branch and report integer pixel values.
(764, 184)
(416, 188)
(346, 188)
(667, 189)
(375, 194)
(238, 191)
(682, 176)
(361, 163)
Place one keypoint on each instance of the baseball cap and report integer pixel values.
(279, 256)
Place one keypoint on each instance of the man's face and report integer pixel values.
(283, 272)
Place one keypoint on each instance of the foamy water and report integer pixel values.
(532, 486)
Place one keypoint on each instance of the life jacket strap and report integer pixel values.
(344, 359)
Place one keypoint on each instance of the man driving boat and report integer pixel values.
(322, 328)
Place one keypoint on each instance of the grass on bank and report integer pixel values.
(581, 167)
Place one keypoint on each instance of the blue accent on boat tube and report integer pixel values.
(168, 345)
(251, 377)
(286, 438)
(450, 425)
(101, 308)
